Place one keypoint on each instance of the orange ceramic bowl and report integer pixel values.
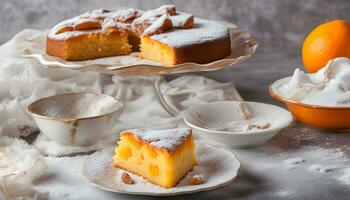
(324, 117)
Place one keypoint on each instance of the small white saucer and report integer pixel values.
(218, 166)
(49, 147)
(201, 119)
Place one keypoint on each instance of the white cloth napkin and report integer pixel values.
(20, 165)
(150, 101)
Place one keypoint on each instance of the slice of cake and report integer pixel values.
(84, 38)
(204, 41)
(163, 157)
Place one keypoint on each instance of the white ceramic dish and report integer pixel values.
(218, 166)
(75, 118)
(199, 117)
(243, 47)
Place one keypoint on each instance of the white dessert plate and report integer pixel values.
(210, 120)
(218, 166)
(242, 47)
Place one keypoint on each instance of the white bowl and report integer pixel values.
(226, 111)
(75, 118)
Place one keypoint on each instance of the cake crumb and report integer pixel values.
(127, 179)
(257, 126)
(295, 161)
(197, 179)
(321, 168)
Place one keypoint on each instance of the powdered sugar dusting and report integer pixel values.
(151, 16)
(200, 176)
(119, 19)
(320, 168)
(240, 125)
(180, 19)
(122, 15)
(144, 22)
(202, 31)
(345, 176)
(291, 163)
(75, 106)
(52, 148)
(288, 171)
(295, 161)
(73, 22)
(68, 23)
(157, 24)
(168, 139)
(110, 23)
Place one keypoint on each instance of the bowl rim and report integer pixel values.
(31, 112)
(289, 101)
(263, 131)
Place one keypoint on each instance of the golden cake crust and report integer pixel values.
(197, 53)
(167, 36)
(169, 147)
(64, 48)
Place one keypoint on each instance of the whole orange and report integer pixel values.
(325, 42)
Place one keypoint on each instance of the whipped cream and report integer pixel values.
(330, 86)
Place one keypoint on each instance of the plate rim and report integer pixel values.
(237, 172)
(251, 43)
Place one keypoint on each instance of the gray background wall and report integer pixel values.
(281, 24)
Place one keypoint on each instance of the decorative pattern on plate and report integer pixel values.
(242, 47)
(219, 166)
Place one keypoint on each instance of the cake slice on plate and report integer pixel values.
(163, 157)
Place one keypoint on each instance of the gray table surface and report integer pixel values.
(266, 173)
(252, 79)
(298, 163)
(289, 166)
